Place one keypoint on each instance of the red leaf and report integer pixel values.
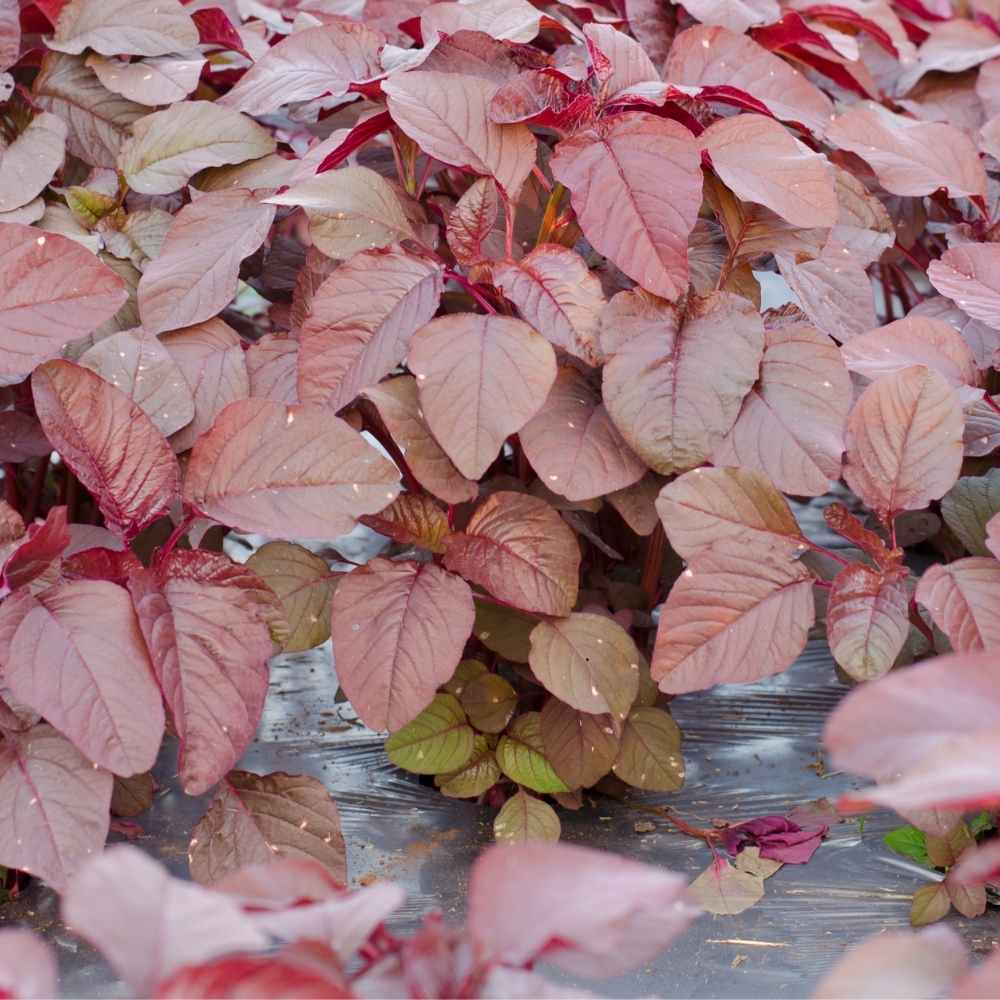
(593, 914)
(28, 969)
(111, 445)
(216, 30)
(35, 554)
(964, 601)
(398, 632)
(53, 805)
(970, 274)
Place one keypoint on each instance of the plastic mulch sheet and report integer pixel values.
(750, 751)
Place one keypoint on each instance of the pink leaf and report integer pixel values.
(10, 33)
(904, 441)
(982, 339)
(112, 446)
(736, 15)
(36, 555)
(75, 654)
(556, 293)
(28, 969)
(964, 601)
(573, 445)
(29, 163)
(448, 116)
(667, 393)
(866, 620)
(835, 294)
(272, 366)
(53, 805)
(52, 291)
(398, 631)
(138, 364)
(970, 274)
(706, 56)
(360, 323)
(481, 379)
(636, 189)
(791, 426)
(286, 471)
(511, 20)
(980, 983)
(979, 864)
(475, 229)
(762, 161)
(209, 645)
(910, 157)
(918, 966)
(280, 884)
(705, 506)
(993, 535)
(734, 616)
(119, 27)
(149, 924)
(309, 64)
(630, 66)
(591, 913)
(520, 550)
(398, 405)
(213, 365)
(197, 271)
(157, 81)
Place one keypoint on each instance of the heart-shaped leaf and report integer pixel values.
(523, 817)
(581, 747)
(649, 755)
(521, 756)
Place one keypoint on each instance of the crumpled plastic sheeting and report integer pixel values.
(750, 750)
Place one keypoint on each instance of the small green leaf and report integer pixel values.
(910, 842)
(650, 752)
(930, 903)
(521, 756)
(439, 739)
(478, 774)
(523, 817)
(466, 671)
(981, 823)
(489, 701)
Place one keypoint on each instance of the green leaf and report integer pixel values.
(478, 774)
(466, 671)
(910, 842)
(981, 823)
(489, 701)
(439, 739)
(650, 752)
(521, 756)
(930, 903)
(523, 817)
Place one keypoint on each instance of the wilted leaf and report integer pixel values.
(636, 190)
(286, 471)
(705, 506)
(475, 777)
(970, 274)
(113, 447)
(53, 805)
(30, 161)
(726, 890)
(749, 860)
(361, 321)
(398, 630)
(588, 661)
(521, 756)
(76, 656)
(304, 584)
(256, 818)
(196, 274)
(964, 601)
(148, 924)
(120, 27)
(761, 161)
(866, 620)
(169, 147)
(593, 913)
(520, 550)
(968, 507)
(211, 359)
(556, 293)
(448, 116)
(138, 364)
(904, 441)
(573, 445)
(398, 405)
(438, 741)
(489, 701)
(666, 391)
(909, 156)
(481, 378)
(308, 64)
(791, 424)
(735, 615)
(52, 291)
(132, 796)
(580, 747)
(650, 752)
(209, 641)
(523, 818)
(157, 81)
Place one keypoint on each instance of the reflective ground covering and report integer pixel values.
(750, 751)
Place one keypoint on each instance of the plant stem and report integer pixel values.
(175, 536)
(508, 212)
(460, 279)
(827, 552)
(37, 486)
(548, 222)
(541, 178)
(922, 627)
(991, 403)
(652, 565)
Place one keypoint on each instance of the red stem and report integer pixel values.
(991, 403)
(652, 565)
(470, 288)
(917, 619)
(827, 552)
(541, 178)
(175, 536)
